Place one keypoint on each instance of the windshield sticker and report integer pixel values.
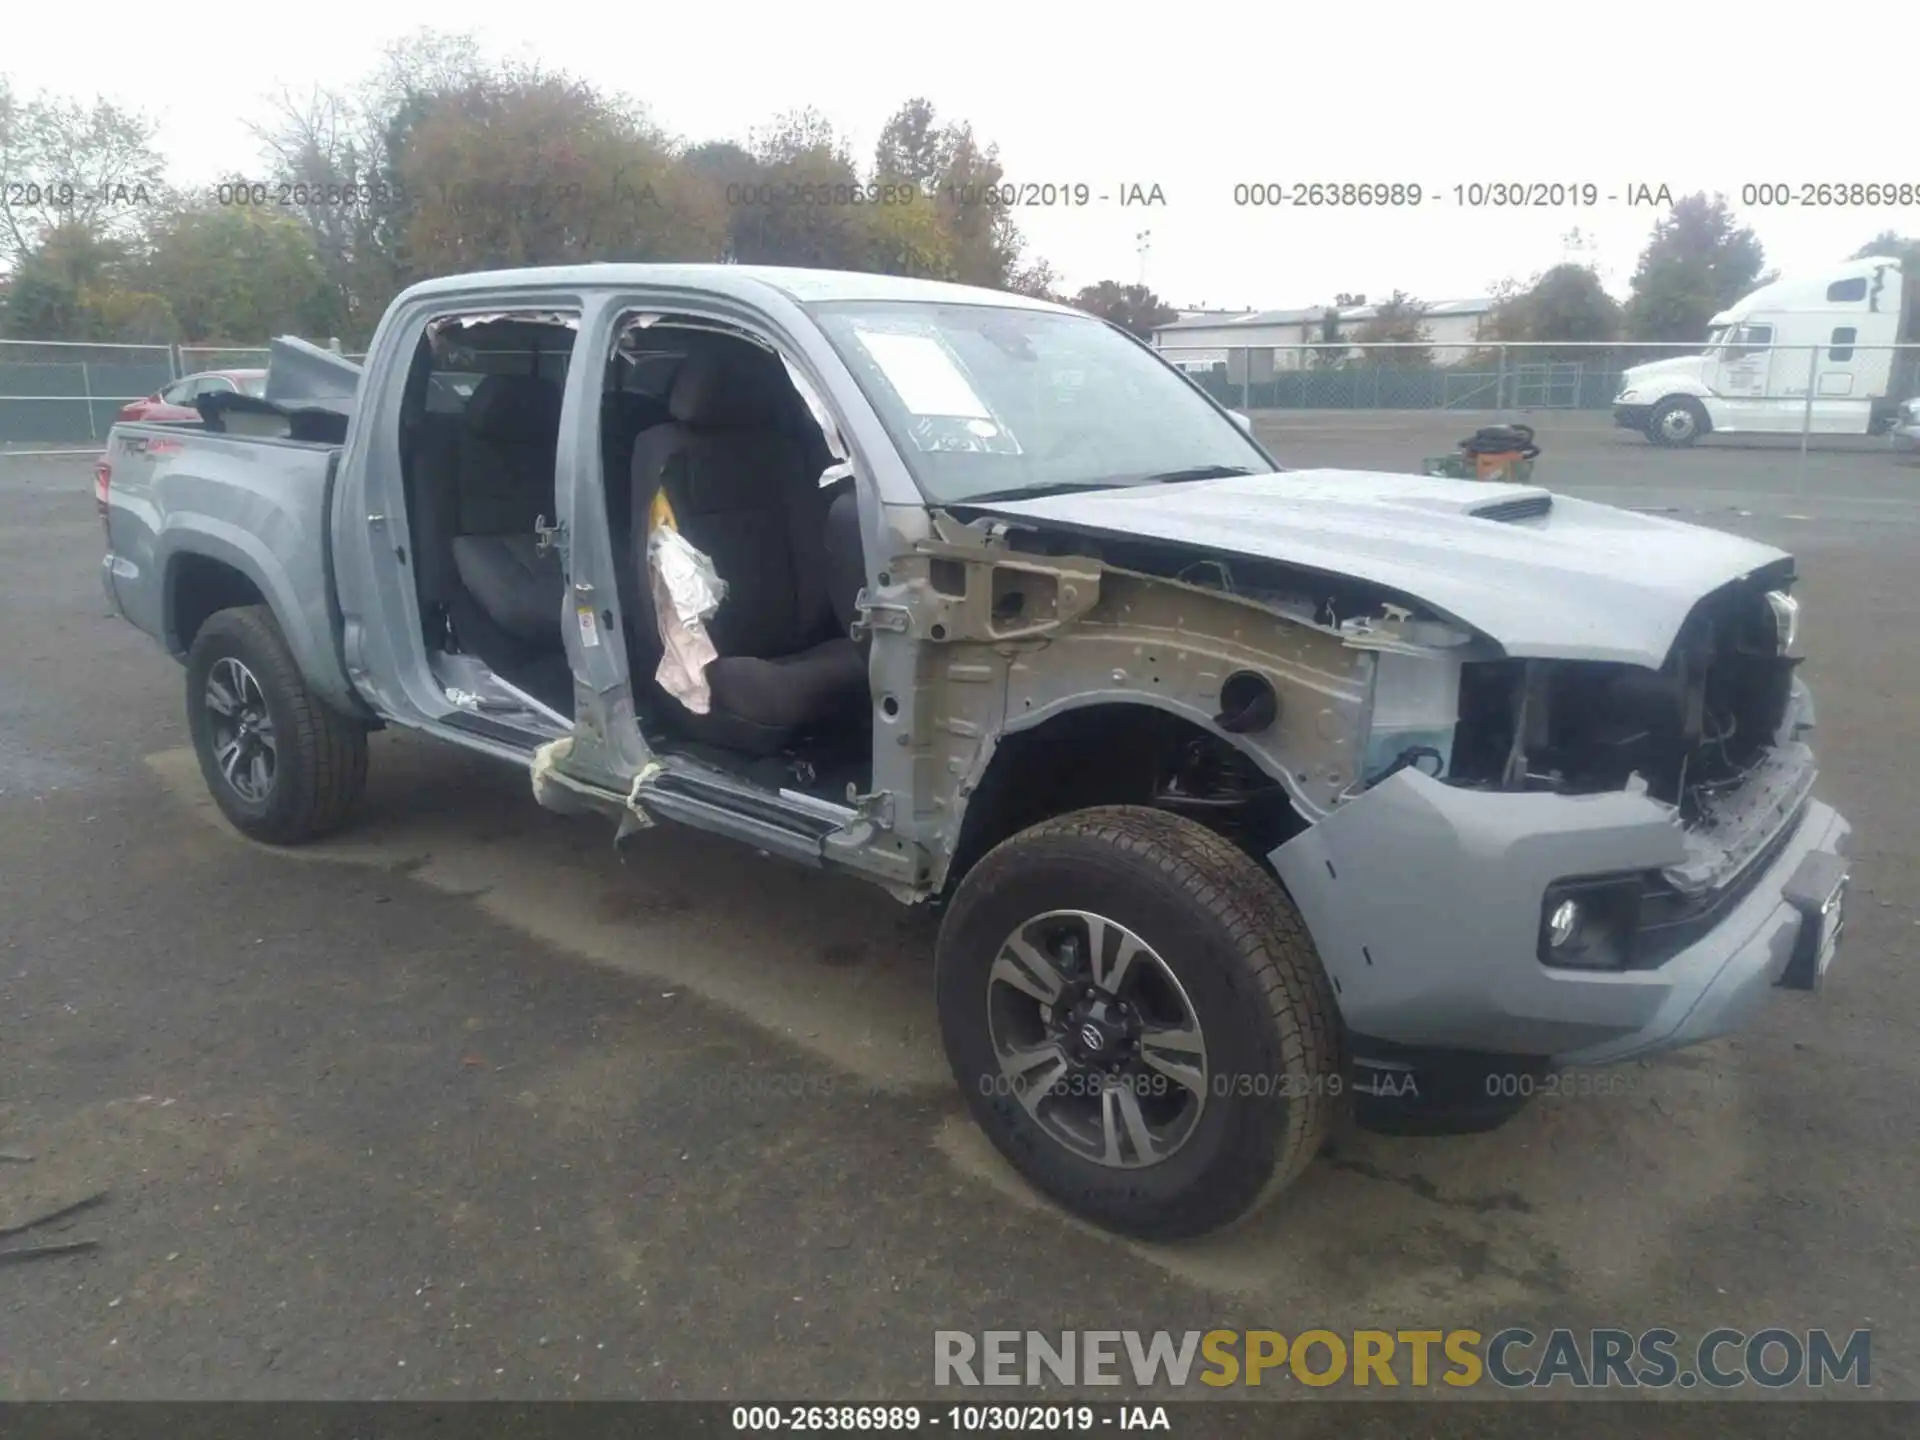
(944, 434)
(944, 412)
(923, 375)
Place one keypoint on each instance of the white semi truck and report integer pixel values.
(1834, 333)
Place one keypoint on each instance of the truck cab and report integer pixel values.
(1814, 352)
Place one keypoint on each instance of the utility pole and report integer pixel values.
(1142, 242)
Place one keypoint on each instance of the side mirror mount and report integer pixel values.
(1243, 420)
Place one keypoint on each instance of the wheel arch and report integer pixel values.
(210, 566)
(197, 586)
(1104, 750)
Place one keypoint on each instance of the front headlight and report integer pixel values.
(1624, 396)
(1786, 619)
(1590, 924)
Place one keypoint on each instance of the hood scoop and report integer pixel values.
(1506, 512)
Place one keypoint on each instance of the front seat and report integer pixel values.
(505, 486)
(736, 471)
(846, 560)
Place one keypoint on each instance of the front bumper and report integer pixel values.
(1907, 436)
(1424, 902)
(1632, 417)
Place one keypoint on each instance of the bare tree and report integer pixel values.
(317, 145)
(63, 164)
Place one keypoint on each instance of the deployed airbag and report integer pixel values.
(687, 590)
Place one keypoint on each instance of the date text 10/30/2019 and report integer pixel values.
(1473, 195)
(1563, 194)
(959, 1419)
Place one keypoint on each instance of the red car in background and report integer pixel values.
(175, 402)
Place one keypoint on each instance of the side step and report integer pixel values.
(789, 824)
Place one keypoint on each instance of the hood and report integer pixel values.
(1671, 366)
(1578, 582)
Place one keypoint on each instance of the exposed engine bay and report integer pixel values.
(1691, 731)
(1697, 727)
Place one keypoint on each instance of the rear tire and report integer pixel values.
(1677, 422)
(282, 766)
(1217, 936)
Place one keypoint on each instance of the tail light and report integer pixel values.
(102, 479)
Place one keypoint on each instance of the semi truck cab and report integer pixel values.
(1833, 334)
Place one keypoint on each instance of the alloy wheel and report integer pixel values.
(1097, 1039)
(242, 730)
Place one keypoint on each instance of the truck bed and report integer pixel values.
(198, 520)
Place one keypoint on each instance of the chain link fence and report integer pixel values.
(60, 394)
(1768, 388)
(57, 393)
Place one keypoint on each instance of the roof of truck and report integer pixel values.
(1806, 289)
(742, 282)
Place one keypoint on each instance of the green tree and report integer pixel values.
(721, 162)
(962, 177)
(41, 303)
(913, 148)
(1697, 263)
(537, 168)
(1564, 304)
(1397, 333)
(239, 274)
(1134, 308)
(987, 242)
(908, 239)
(77, 284)
(581, 174)
(804, 213)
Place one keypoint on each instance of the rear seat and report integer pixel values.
(518, 585)
(503, 485)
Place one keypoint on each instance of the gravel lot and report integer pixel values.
(462, 1105)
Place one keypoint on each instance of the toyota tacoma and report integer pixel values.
(1256, 801)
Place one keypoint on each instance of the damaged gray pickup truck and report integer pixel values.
(1256, 800)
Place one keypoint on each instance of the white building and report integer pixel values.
(1274, 339)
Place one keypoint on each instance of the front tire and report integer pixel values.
(1137, 1018)
(1677, 422)
(281, 765)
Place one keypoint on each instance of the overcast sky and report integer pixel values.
(1116, 96)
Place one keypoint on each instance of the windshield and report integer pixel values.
(988, 401)
(254, 385)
